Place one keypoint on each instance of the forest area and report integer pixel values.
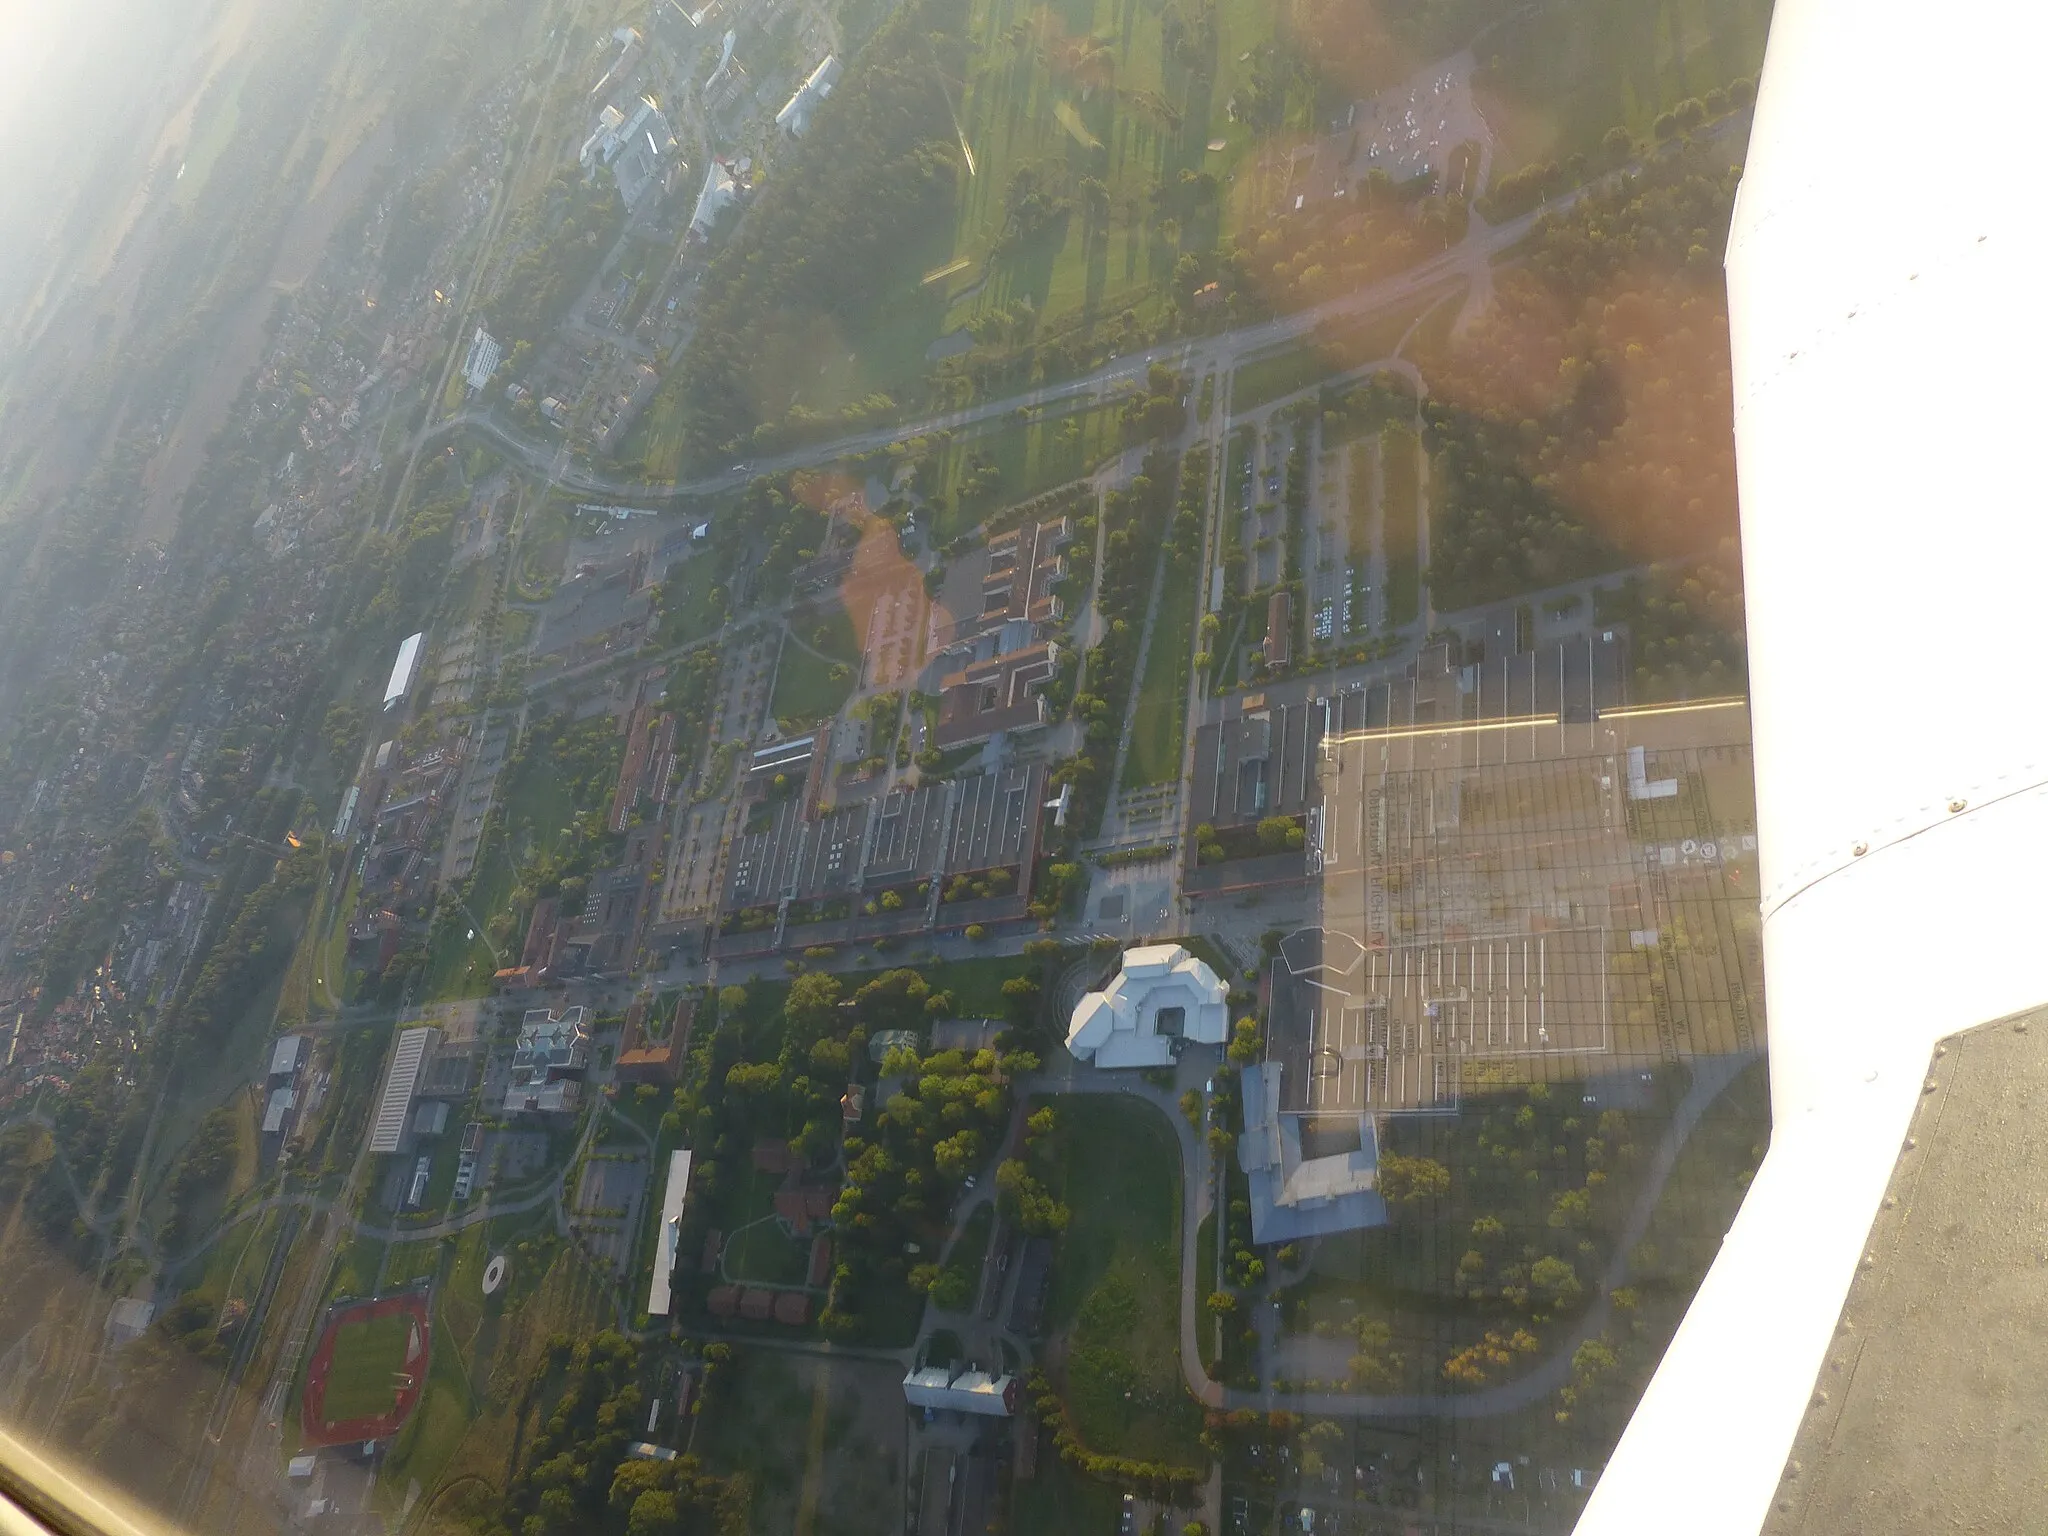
(1584, 425)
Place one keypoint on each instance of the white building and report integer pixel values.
(404, 670)
(482, 361)
(1161, 996)
(795, 117)
(673, 1195)
(977, 1392)
(548, 1062)
(719, 192)
(1299, 1191)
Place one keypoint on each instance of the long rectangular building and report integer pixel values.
(400, 1083)
(404, 669)
(672, 1198)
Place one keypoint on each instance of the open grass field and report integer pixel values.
(1028, 457)
(1086, 89)
(1060, 1500)
(1401, 467)
(976, 985)
(1093, 88)
(1117, 1169)
(369, 1358)
(817, 671)
(1159, 721)
(1266, 379)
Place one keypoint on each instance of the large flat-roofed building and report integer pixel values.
(673, 1197)
(795, 117)
(1000, 691)
(394, 1105)
(1309, 1175)
(1161, 996)
(974, 1392)
(404, 670)
(482, 359)
(548, 1062)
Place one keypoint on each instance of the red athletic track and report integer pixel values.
(313, 1402)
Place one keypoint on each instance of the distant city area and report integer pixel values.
(841, 767)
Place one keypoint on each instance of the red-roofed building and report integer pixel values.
(723, 1301)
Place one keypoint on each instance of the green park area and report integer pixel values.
(369, 1359)
(1401, 471)
(1082, 120)
(819, 666)
(1156, 724)
(1115, 1288)
(1278, 374)
(1018, 460)
(1159, 720)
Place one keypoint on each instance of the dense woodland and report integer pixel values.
(824, 233)
(1584, 423)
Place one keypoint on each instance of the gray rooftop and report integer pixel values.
(1927, 1412)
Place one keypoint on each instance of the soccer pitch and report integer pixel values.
(369, 1359)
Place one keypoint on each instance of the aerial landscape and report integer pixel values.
(841, 766)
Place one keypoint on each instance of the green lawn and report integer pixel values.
(1028, 457)
(1159, 718)
(368, 1358)
(819, 668)
(692, 602)
(1116, 1280)
(962, 1279)
(976, 985)
(1401, 467)
(764, 1253)
(1158, 723)
(1266, 379)
(1026, 105)
(1062, 1502)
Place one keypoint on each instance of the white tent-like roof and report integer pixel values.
(1161, 994)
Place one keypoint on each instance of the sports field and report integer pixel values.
(368, 1370)
(369, 1362)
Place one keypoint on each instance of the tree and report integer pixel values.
(1273, 833)
(1405, 1180)
(1556, 1278)
(654, 1514)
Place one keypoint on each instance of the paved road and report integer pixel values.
(1465, 262)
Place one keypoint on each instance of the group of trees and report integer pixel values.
(576, 1475)
(566, 231)
(1685, 629)
(1135, 518)
(906, 1167)
(1586, 424)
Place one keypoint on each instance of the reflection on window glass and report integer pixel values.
(877, 765)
